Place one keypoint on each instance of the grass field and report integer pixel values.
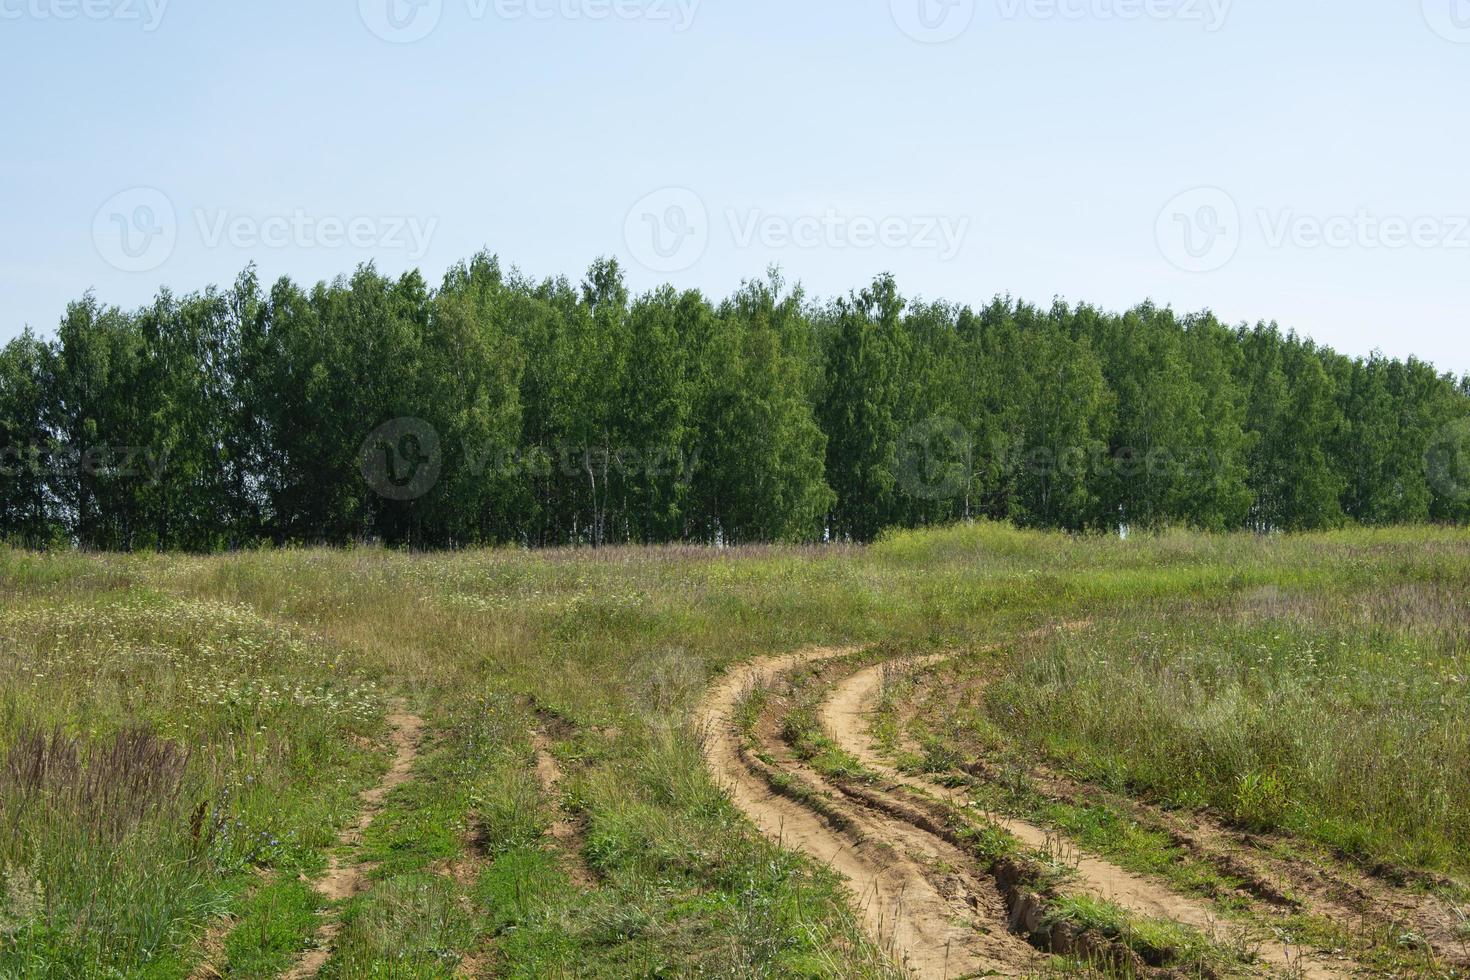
(189, 744)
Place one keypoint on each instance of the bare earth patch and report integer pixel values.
(917, 899)
(345, 877)
(565, 833)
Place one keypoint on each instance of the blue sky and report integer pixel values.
(1301, 161)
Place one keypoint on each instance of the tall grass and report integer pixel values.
(1344, 715)
(153, 752)
(225, 712)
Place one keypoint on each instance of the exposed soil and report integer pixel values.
(345, 877)
(845, 717)
(1269, 870)
(212, 950)
(918, 898)
(565, 833)
(1274, 873)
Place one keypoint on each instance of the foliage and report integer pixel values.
(498, 409)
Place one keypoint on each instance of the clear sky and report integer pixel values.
(1297, 160)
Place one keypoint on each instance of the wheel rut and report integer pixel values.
(1267, 866)
(564, 833)
(845, 716)
(346, 876)
(918, 898)
(1270, 875)
(920, 890)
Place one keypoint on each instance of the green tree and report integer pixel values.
(467, 388)
(100, 411)
(1064, 424)
(861, 408)
(1292, 409)
(501, 409)
(26, 512)
(759, 473)
(656, 413)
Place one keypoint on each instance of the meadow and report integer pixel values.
(502, 756)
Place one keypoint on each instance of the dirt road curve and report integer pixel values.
(844, 716)
(923, 899)
(938, 925)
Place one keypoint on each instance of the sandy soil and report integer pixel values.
(916, 899)
(1281, 872)
(845, 717)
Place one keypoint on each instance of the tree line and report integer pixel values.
(501, 409)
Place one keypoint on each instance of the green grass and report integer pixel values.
(161, 750)
(1157, 942)
(409, 925)
(1316, 685)
(1303, 720)
(274, 925)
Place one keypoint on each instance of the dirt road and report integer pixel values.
(938, 923)
(345, 875)
(923, 898)
(845, 717)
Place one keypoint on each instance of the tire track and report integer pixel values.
(1272, 871)
(566, 835)
(938, 921)
(845, 717)
(345, 877)
(212, 957)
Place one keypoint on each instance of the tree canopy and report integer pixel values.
(499, 409)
